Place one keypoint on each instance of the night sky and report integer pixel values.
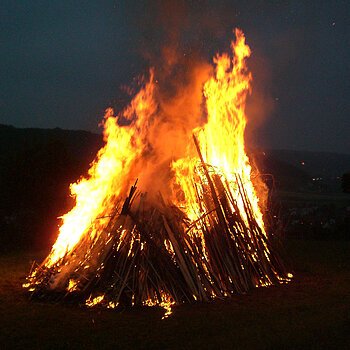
(63, 62)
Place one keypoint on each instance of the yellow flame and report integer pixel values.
(124, 157)
(109, 175)
(221, 139)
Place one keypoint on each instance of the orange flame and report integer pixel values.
(109, 175)
(221, 139)
(127, 151)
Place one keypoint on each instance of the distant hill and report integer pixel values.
(280, 174)
(37, 166)
(82, 145)
(324, 169)
(316, 164)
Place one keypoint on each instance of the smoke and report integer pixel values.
(261, 103)
(173, 49)
(178, 109)
(179, 40)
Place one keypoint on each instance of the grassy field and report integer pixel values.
(311, 312)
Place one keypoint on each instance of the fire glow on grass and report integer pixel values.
(207, 228)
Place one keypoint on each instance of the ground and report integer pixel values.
(313, 311)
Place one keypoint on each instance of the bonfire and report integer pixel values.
(171, 210)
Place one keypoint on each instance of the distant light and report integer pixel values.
(302, 162)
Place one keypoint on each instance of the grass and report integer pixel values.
(312, 312)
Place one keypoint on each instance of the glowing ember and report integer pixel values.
(166, 302)
(167, 305)
(91, 302)
(72, 285)
(204, 237)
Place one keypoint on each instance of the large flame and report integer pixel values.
(109, 175)
(186, 148)
(142, 142)
(221, 139)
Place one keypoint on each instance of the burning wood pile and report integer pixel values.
(190, 229)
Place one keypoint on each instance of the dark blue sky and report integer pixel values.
(63, 62)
